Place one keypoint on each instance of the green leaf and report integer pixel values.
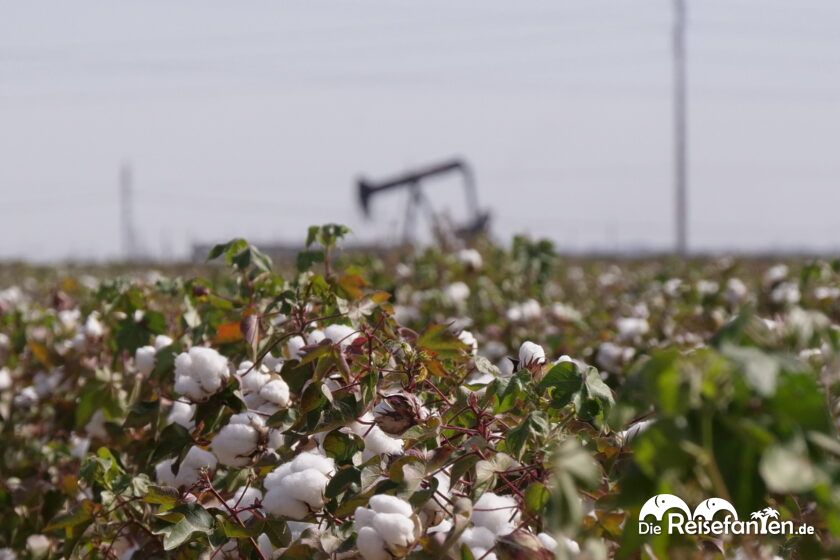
(173, 439)
(186, 520)
(562, 381)
(142, 414)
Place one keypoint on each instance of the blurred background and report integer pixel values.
(136, 130)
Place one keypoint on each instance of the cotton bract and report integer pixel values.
(200, 373)
(296, 488)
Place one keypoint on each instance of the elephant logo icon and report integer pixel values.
(659, 504)
(708, 508)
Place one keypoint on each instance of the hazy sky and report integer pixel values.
(255, 118)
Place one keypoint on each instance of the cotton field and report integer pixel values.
(479, 402)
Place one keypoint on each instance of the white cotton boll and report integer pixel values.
(363, 518)
(478, 537)
(235, 443)
(164, 474)
(277, 501)
(775, 274)
(371, 546)
(470, 258)
(253, 380)
(96, 425)
(200, 372)
(273, 478)
(273, 363)
(7, 554)
(530, 310)
(456, 293)
(182, 413)
(307, 486)
(443, 527)
(531, 354)
(547, 541)
(497, 513)
(315, 337)
(469, 340)
(244, 497)
(69, 318)
(195, 460)
(318, 462)
(93, 327)
(26, 398)
(612, 357)
(394, 528)
(275, 439)
(38, 545)
(383, 503)
(144, 360)
(79, 446)
(277, 392)
(5, 379)
(631, 328)
(572, 547)
(162, 341)
(378, 442)
(342, 335)
(786, 293)
(294, 347)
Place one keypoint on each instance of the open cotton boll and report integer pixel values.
(5, 378)
(383, 503)
(497, 513)
(235, 443)
(182, 414)
(470, 258)
(144, 360)
(547, 541)
(276, 391)
(531, 355)
(478, 538)
(456, 293)
(342, 335)
(265, 546)
(294, 347)
(371, 546)
(386, 527)
(93, 327)
(469, 340)
(631, 328)
(189, 470)
(244, 497)
(252, 379)
(315, 337)
(200, 373)
(162, 341)
(394, 528)
(376, 441)
(295, 488)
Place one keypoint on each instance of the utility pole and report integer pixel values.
(129, 242)
(680, 129)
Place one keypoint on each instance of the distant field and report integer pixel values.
(479, 402)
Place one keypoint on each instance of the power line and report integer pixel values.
(680, 129)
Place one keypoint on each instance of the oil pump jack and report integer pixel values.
(411, 180)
